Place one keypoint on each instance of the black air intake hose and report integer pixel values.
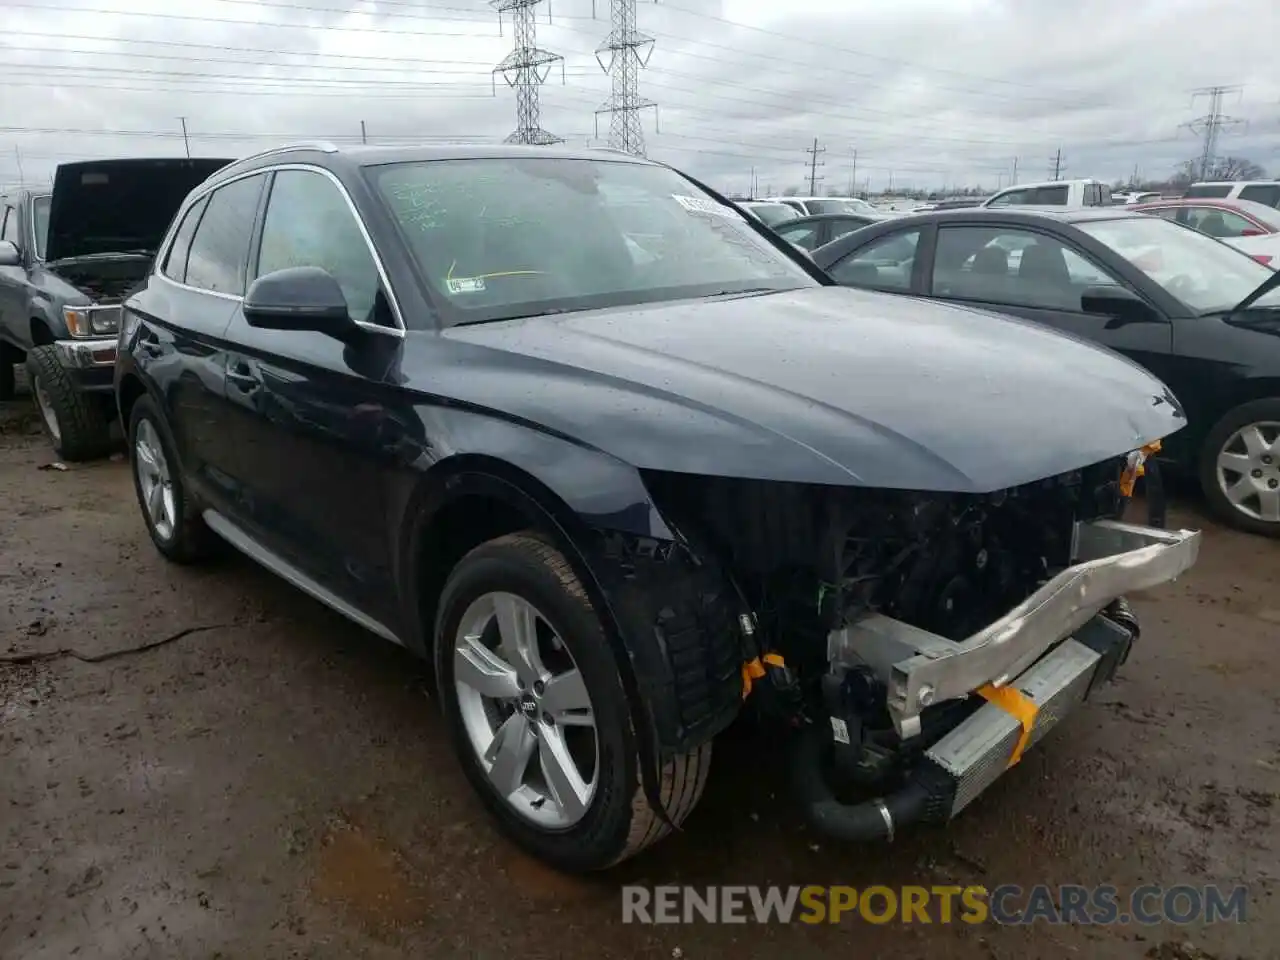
(1157, 504)
(872, 820)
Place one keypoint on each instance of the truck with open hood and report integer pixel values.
(68, 258)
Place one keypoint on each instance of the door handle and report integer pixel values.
(243, 375)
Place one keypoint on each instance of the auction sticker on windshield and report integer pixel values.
(703, 205)
(465, 284)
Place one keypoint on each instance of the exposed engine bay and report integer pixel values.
(849, 597)
(107, 278)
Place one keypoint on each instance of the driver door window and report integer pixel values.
(310, 224)
(1001, 265)
(884, 264)
(802, 235)
(1218, 223)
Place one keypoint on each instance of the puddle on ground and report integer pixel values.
(368, 881)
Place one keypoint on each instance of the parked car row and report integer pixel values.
(622, 463)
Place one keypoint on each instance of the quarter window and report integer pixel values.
(310, 224)
(885, 264)
(1008, 266)
(220, 247)
(175, 261)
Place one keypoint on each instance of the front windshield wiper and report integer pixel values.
(1265, 287)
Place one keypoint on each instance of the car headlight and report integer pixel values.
(92, 321)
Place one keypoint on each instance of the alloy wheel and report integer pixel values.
(1248, 471)
(526, 710)
(154, 480)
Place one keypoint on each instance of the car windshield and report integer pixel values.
(772, 214)
(40, 221)
(500, 238)
(1206, 275)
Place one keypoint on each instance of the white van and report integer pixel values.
(1054, 194)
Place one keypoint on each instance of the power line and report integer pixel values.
(525, 68)
(1209, 125)
(629, 52)
(814, 164)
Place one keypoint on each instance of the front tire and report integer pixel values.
(538, 715)
(73, 421)
(172, 519)
(1240, 467)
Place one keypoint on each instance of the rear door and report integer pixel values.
(185, 310)
(311, 415)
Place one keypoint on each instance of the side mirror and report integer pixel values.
(1119, 303)
(10, 255)
(299, 298)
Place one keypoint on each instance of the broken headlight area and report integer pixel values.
(920, 641)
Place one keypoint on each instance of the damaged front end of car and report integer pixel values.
(916, 643)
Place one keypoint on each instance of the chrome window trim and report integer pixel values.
(206, 189)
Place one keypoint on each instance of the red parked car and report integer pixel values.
(1245, 224)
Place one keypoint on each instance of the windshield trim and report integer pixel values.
(447, 315)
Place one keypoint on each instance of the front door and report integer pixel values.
(1035, 275)
(312, 409)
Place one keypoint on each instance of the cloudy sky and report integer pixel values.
(929, 93)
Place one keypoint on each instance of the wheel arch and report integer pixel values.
(460, 494)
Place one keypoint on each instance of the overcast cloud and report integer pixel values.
(928, 92)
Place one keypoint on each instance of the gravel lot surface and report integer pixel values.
(275, 783)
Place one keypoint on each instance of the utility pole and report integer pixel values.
(628, 53)
(853, 175)
(17, 157)
(364, 137)
(814, 164)
(1134, 180)
(1056, 160)
(1015, 171)
(525, 68)
(185, 142)
(1209, 125)
(753, 183)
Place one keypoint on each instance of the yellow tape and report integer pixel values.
(1019, 706)
(754, 669)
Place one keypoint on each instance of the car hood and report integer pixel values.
(110, 206)
(821, 385)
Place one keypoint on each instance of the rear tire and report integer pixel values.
(173, 520)
(1253, 474)
(618, 821)
(73, 421)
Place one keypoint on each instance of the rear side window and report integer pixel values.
(175, 261)
(1052, 196)
(885, 264)
(220, 248)
(1209, 190)
(1268, 193)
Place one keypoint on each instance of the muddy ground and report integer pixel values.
(276, 783)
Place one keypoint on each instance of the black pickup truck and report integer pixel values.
(67, 260)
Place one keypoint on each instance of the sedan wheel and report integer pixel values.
(1240, 467)
(1249, 471)
(526, 710)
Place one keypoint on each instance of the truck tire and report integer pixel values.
(74, 422)
(554, 759)
(1241, 454)
(9, 358)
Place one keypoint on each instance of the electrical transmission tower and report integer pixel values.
(628, 53)
(526, 68)
(1211, 124)
(814, 152)
(1056, 165)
